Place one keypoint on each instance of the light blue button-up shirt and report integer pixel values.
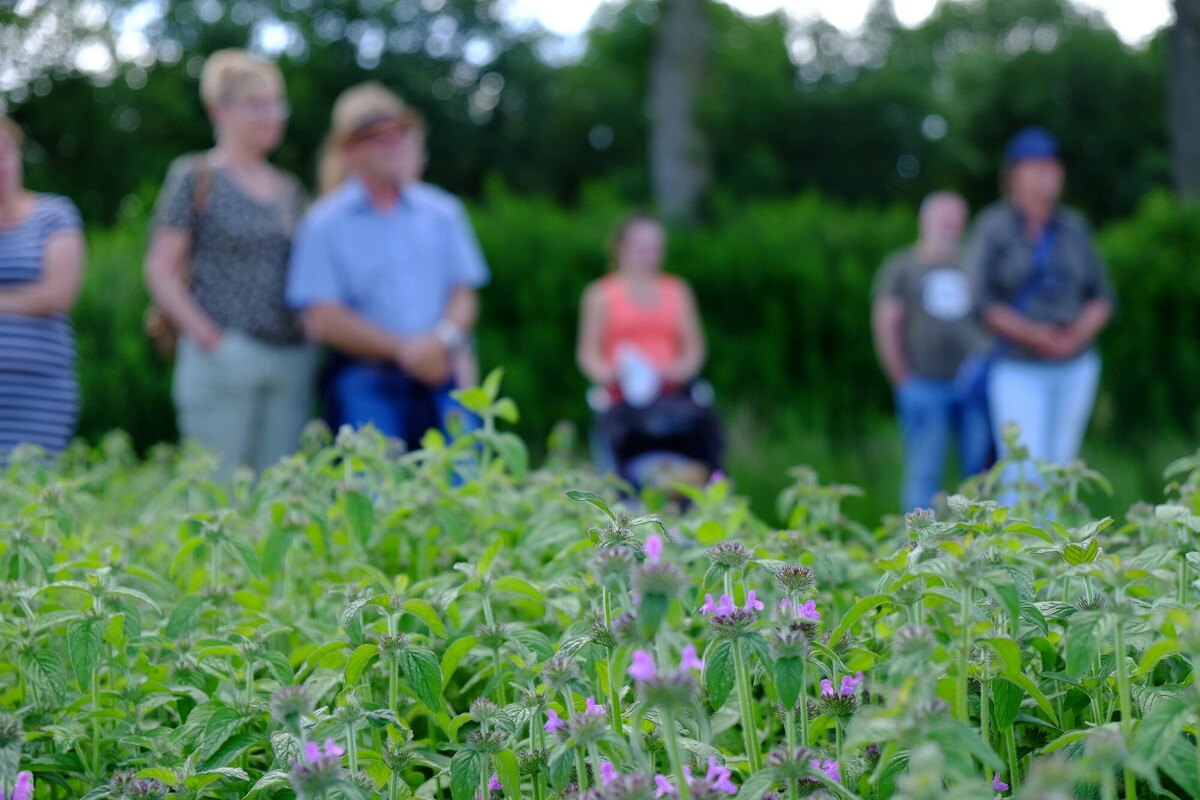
(396, 267)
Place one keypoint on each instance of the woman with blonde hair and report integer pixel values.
(217, 266)
(41, 263)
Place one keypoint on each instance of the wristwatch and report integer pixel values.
(449, 335)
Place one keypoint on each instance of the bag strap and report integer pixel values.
(204, 184)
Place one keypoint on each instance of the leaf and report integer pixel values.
(758, 784)
(45, 671)
(512, 452)
(857, 611)
(465, 769)
(455, 653)
(243, 551)
(1073, 554)
(272, 778)
(275, 548)
(359, 660)
(360, 516)
(506, 409)
(233, 747)
(1156, 653)
(1179, 762)
(1162, 724)
(1006, 699)
(508, 773)
(425, 612)
(223, 723)
(134, 594)
(510, 584)
(650, 614)
(718, 672)
(84, 639)
(423, 672)
(183, 616)
(1083, 641)
(789, 679)
(594, 499)
(485, 562)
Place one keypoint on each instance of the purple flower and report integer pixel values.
(332, 749)
(23, 790)
(689, 660)
(608, 773)
(849, 684)
(752, 602)
(718, 777)
(726, 605)
(642, 668)
(999, 785)
(494, 784)
(592, 708)
(665, 789)
(807, 610)
(312, 751)
(653, 548)
(827, 688)
(716, 477)
(553, 721)
(831, 769)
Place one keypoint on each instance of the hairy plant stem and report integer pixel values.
(1126, 704)
(96, 724)
(490, 618)
(745, 700)
(537, 740)
(682, 789)
(964, 655)
(789, 724)
(581, 770)
(802, 701)
(1182, 580)
(1010, 740)
(614, 691)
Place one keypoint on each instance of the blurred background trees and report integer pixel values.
(803, 151)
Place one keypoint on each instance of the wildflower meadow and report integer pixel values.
(365, 622)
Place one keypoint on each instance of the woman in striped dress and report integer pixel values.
(41, 261)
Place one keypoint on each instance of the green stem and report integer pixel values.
(581, 770)
(1126, 703)
(1010, 738)
(1182, 580)
(96, 723)
(745, 698)
(614, 694)
(964, 655)
(394, 787)
(803, 703)
(672, 741)
(985, 727)
(789, 724)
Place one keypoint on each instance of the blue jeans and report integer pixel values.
(1050, 400)
(930, 412)
(397, 404)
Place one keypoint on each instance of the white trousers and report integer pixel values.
(1050, 401)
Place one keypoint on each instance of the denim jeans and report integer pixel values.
(397, 404)
(1050, 400)
(930, 412)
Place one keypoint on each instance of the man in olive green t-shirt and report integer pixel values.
(923, 325)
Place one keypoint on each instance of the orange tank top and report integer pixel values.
(655, 329)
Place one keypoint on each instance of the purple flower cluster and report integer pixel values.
(850, 684)
(726, 605)
(23, 790)
(591, 713)
(716, 781)
(643, 668)
(830, 769)
(999, 785)
(797, 610)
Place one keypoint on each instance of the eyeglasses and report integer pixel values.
(259, 107)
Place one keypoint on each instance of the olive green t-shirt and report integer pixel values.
(939, 326)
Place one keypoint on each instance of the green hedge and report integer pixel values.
(783, 288)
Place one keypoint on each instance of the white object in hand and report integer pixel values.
(640, 380)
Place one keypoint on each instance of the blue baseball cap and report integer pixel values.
(1031, 142)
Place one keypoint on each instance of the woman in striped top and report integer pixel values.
(41, 261)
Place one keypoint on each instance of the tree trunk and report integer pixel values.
(1183, 98)
(679, 157)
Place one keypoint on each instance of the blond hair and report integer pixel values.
(228, 73)
(12, 130)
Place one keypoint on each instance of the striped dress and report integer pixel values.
(39, 396)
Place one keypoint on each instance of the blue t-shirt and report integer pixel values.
(396, 267)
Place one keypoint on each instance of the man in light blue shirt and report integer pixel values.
(385, 271)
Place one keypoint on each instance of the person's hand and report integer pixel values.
(426, 359)
(678, 374)
(206, 334)
(1043, 339)
(1067, 343)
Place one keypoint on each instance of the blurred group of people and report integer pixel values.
(365, 299)
(1000, 331)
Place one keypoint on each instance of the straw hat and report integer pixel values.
(366, 109)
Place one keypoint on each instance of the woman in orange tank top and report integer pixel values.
(638, 313)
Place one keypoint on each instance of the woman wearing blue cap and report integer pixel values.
(1042, 290)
